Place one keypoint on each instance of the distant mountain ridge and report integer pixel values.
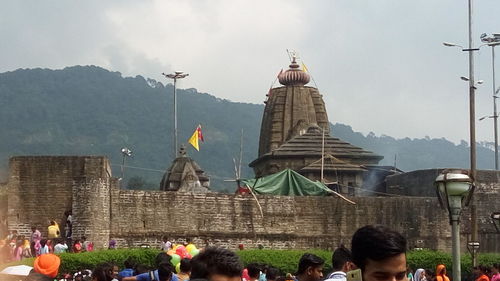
(87, 110)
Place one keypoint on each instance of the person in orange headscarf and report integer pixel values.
(441, 273)
(47, 265)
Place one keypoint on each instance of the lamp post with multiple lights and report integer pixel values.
(176, 75)
(493, 41)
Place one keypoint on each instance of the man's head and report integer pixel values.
(253, 271)
(272, 274)
(165, 270)
(47, 264)
(216, 264)
(33, 228)
(130, 262)
(342, 259)
(52, 223)
(162, 257)
(185, 265)
(380, 253)
(310, 268)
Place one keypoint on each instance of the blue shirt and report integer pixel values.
(146, 277)
(127, 272)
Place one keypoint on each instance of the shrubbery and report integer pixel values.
(285, 260)
(89, 260)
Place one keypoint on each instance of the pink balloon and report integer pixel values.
(181, 251)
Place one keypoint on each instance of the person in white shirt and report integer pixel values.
(341, 264)
(60, 247)
(165, 244)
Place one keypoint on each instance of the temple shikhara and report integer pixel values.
(295, 134)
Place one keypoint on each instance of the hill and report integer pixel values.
(87, 110)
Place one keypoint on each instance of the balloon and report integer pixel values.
(175, 246)
(170, 252)
(178, 268)
(181, 251)
(194, 252)
(190, 247)
(176, 259)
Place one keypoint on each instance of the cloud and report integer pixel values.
(379, 64)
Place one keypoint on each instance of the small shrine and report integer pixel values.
(185, 175)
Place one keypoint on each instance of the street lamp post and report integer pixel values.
(495, 219)
(473, 248)
(452, 187)
(125, 153)
(176, 75)
(493, 41)
(472, 121)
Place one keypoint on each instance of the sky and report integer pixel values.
(380, 65)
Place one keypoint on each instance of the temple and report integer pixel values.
(295, 134)
(185, 175)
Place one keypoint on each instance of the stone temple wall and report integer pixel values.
(41, 188)
(421, 182)
(140, 217)
(44, 187)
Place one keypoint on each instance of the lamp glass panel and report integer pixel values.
(455, 188)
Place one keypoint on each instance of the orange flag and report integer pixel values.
(197, 135)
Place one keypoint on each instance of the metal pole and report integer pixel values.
(455, 238)
(473, 217)
(123, 164)
(495, 115)
(175, 118)
(455, 211)
(472, 121)
(472, 99)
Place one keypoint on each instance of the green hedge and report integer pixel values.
(285, 260)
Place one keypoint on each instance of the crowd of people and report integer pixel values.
(377, 254)
(15, 247)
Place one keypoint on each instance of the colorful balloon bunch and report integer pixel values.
(180, 252)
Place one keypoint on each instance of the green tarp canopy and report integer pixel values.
(288, 183)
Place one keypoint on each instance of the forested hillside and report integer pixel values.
(87, 110)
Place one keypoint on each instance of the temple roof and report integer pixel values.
(309, 144)
(294, 76)
(331, 163)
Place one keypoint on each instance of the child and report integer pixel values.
(77, 246)
(44, 249)
(18, 251)
(27, 249)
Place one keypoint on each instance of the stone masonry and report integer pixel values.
(43, 188)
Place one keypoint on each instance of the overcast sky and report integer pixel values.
(380, 65)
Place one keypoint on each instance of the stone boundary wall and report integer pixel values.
(143, 217)
(421, 182)
(41, 188)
